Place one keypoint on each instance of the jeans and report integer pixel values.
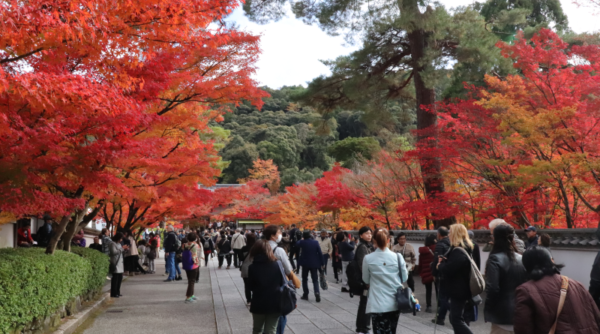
(224, 256)
(315, 278)
(281, 324)
(177, 269)
(192, 276)
(344, 278)
(443, 305)
(247, 291)
(385, 323)
(151, 265)
(457, 320)
(363, 321)
(325, 260)
(170, 265)
(264, 323)
(115, 285)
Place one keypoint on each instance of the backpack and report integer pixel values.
(206, 244)
(297, 235)
(187, 261)
(152, 254)
(177, 242)
(476, 281)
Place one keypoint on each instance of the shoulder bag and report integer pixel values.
(287, 293)
(564, 286)
(404, 295)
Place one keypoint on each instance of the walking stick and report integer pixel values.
(437, 306)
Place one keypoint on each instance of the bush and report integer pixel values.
(36, 285)
(99, 263)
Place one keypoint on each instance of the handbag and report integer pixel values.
(287, 294)
(403, 295)
(323, 281)
(564, 286)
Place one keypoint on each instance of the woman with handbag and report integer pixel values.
(552, 303)
(264, 280)
(383, 271)
(456, 271)
(116, 264)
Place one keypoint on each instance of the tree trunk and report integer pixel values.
(73, 228)
(431, 168)
(57, 230)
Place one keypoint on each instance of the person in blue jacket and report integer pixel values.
(311, 260)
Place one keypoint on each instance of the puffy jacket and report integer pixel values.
(502, 277)
(425, 259)
(456, 274)
(537, 304)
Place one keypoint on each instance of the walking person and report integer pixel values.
(295, 236)
(272, 233)
(116, 251)
(381, 272)
(209, 247)
(238, 240)
(191, 265)
(171, 244)
(504, 273)
(326, 249)
(178, 258)
(336, 259)
(224, 249)
(426, 257)
(264, 280)
(364, 248)
(152, 254)
(346, 248)
(311, 261)
(408, 253)
(456, 272)
(246, 262)
(441, 248)
(538, 300)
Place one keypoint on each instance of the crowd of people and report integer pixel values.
(524, 289)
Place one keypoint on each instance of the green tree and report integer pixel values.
(351, 150)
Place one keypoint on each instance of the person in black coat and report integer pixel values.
(441, 248)
(456, 272)
(265, 277)
(504, 273)
(311, 260)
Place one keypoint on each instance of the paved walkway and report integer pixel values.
(151, 305)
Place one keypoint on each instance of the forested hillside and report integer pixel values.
(301, 142)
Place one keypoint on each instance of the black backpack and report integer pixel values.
(298, 235)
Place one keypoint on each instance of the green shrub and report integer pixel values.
(99, 263)
(34, 285)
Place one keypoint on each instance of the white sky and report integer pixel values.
(291, 50)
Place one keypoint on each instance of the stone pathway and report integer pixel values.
(151, 305)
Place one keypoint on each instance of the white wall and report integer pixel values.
(7, 235)
(578, 263)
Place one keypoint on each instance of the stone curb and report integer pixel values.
(77, 319)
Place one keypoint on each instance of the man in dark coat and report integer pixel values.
(441, 248)
(532, 237)
(311, 260)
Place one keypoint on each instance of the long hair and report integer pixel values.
(263, 247)
(250, 240)
(381, 238)
(430, 240)
(459, 236)
(504, 241)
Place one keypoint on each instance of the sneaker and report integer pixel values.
(428, 309)
(345, 289)
(178, 278)
(318, 297)
(304, 297)
(190, 301)
(194, 297)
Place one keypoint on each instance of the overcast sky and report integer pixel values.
(291, 50)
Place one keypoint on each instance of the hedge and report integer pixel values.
(34, 285)
(99, 263)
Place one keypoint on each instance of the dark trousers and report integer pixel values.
(237, 257)
(294, 253)
(428, 292)
(247, 290)
(457, 320)
(443, 305)
(314, 274)
(192, 276)
(363, 321)
(115, 285)
(128, 263)
(410, 281)
(385, 323)
(595, 291)
(325, 260)
(206, 257)
(222, 257)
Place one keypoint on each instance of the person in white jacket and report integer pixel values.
(238, 240)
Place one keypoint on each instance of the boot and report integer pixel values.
(318, 297)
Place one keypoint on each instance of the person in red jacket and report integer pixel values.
(425, 259)
(24, 238)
